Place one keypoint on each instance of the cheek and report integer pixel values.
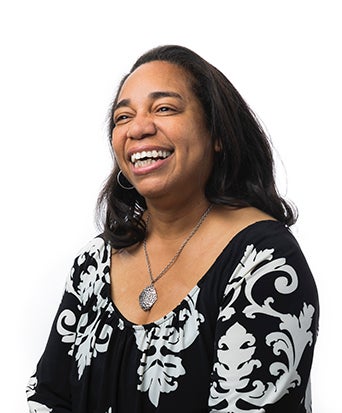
(117, 145)
(207, 152)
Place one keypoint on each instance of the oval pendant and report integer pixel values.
(148, 297)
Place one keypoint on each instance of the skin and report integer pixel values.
(157, 110)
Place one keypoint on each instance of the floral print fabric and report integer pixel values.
(241, 341)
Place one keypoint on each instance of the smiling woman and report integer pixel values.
(195, 262)
(157, 112)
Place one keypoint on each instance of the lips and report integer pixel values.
(148, 157)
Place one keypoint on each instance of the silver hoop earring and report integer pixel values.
(120, 184)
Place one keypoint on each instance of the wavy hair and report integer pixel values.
(243, 170)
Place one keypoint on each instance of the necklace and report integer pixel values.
(148, 296)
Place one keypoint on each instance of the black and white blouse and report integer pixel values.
(241, 341)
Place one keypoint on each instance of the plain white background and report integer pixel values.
(60, 64)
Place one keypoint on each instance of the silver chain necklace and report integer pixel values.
(149, 296)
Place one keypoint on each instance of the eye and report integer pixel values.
(165, 109)
(120, 118)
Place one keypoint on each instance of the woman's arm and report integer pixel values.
(49, 388)
(265, 334)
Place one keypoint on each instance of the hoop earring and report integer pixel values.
(120, 184)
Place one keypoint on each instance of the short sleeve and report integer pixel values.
(49, 389)
(266, 331)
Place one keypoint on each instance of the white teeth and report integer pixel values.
(139, 164)
(150, 155)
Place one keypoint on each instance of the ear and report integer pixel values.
(217, 146)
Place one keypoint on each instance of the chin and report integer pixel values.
(154, 191)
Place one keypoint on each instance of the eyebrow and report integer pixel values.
(153, 96)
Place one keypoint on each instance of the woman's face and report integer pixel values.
(160, 138)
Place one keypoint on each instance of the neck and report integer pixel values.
(176, 221)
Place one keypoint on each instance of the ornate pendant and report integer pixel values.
(148, 297)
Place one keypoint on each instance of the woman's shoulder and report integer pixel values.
(89, 273)
(267, 242)
(267, 234)
(252, 232)
(92, 256)
(270, 234)
(267, 249)
(252, 223)
(248, 224)
(93, 248)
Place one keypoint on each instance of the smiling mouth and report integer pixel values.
(145, 158)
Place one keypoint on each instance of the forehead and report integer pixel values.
(156, 76)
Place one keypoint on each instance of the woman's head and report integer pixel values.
(242, 169)
(160, 139)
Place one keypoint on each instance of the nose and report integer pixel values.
(141, 126)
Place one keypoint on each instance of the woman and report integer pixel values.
(196, 297)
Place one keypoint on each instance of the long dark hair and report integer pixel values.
(243, 170)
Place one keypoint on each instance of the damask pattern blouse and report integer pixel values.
(241, 341)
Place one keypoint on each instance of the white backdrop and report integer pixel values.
(60, 65)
